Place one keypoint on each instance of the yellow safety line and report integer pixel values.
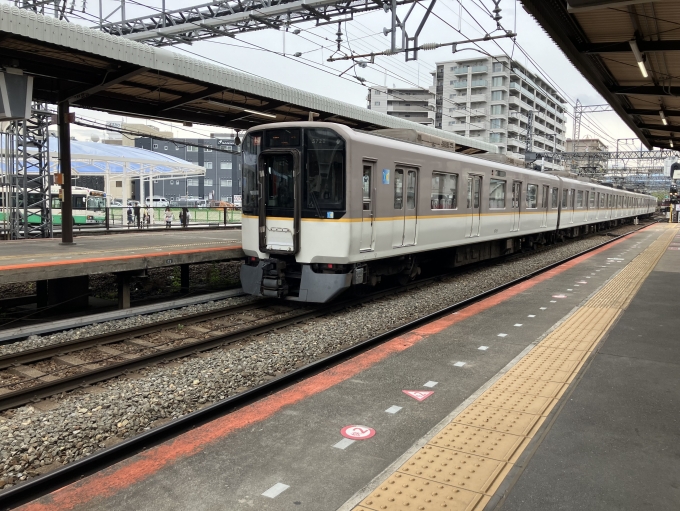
(466, 461)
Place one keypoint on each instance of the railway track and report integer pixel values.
(49, 482)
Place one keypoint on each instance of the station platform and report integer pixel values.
(561, 392)
(62, 272)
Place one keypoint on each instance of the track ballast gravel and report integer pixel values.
(40, 438)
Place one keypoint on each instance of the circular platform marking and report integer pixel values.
(559, 296)
(357, 432)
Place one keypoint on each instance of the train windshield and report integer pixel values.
(252, 146)
(324, 170)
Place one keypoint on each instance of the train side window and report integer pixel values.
(398, 189)
(555, 198)
(532, 196)
(496, 194)
(565, 195)
(602, 197)
(444, 191)
(579, 199)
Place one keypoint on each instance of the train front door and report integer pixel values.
(474, 191)
(279, 175)
(367, 209)
(516, 201)
(544, 206)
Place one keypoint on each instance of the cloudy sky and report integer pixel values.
(269, 54)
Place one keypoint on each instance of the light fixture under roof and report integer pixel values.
(638, 57)
(671, 142)
(663, 118)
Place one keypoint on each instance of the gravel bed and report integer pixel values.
(36, 439)
(36, 341)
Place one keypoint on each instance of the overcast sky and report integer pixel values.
(262, 54)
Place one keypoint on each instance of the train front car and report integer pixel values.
(294, 172)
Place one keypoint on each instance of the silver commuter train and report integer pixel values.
(327, 207)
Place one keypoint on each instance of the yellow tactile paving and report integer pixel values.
(476, 441)
(464, 463)
(463, 470)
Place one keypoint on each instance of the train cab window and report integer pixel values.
(496, 194)
(398, 189)
(324, 177)
(579, 199)
(565, 198)
(532, 196)
(555, 198)
(444, 191)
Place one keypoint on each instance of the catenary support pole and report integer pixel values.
(63, 124)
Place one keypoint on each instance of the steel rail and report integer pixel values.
(35, 488)
(51, 350)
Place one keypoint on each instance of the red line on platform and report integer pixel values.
(140, 467)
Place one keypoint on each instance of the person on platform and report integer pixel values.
(168, 218)
(146, 219)
(130, 216)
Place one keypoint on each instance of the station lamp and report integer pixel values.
(663, 118)
(638, 57)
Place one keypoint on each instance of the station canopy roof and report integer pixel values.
(599, 37)
(95, 70)
(95, 159)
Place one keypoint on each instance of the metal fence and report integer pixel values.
(172, 218)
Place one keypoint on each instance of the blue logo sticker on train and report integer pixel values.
(386, 176)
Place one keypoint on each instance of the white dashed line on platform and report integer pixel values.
(483, 348)
(543, 308)
(517, 324)
(430, 384)
(531, 316)
(502, 335)
(391, 409)
(276, 490)
(459, 364)
(344, 443)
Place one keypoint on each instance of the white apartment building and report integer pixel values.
(492, 98)
(411, 104)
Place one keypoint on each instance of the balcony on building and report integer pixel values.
(460, 84)
(463, 70)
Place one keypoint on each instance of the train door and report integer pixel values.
(411, 211)
(572, 202)
(405, 211)
(367, 208)
(474, 191)
(544, 206)
(587, 205)
(516, 201)
(280, 180)
(597, 206)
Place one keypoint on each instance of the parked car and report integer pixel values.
(133, 203)
(116, 202)
(157, 202)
